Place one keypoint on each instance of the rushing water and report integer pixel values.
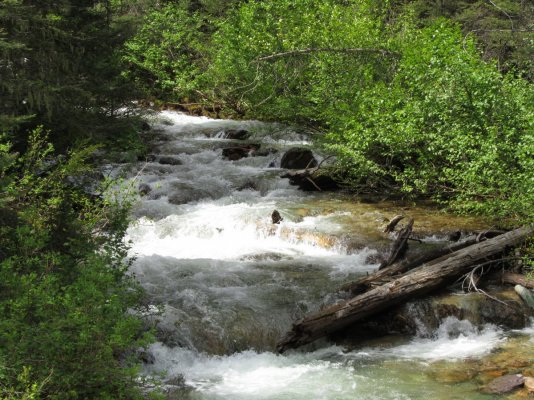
(228, 283)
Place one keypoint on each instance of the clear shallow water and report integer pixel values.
(230, 283)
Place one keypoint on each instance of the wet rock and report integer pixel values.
(417, 317)
(235, 153)
(454, 236)
(150, 158)
(424, 316)
(169, 160)
(323, 182)
(449, 310)
(186, 193)
(529, 384)
(145, 126)
(276, 217)
(144, 189)
(239, 152)
(236, 134)
(409, 319)
(504, 384)
(511, 315)
(298, 158)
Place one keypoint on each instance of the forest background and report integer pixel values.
(420, 100)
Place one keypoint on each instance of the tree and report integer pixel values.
(59, 67)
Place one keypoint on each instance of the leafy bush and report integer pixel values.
(448, 125)
(407, 110)
(65, 325)
(162, 58)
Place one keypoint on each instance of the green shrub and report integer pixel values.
(64, 292)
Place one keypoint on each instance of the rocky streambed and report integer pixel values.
(225, 283)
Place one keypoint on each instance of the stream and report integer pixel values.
(225, 283)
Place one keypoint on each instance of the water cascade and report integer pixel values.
(225, 283)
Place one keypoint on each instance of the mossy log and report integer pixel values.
(425, 278)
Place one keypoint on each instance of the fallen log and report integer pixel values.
(517, 279)
(364, 283)
(422, 280)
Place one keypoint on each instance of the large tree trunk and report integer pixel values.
(423, 279)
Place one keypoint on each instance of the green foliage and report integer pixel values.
(172, 50)
(23, 388)
(162, 55)
(447, 125)
(60, 68)
(503, 28)
(296, 87)
(408, 110)
(410, 105)
(65, 325)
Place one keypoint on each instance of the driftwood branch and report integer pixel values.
(307, 174)
(471, 279)
(400, 245)
(393, 223)
(298, 52)
(421, 280)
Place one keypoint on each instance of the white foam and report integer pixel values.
(455, 339)
(227, 231)
(255, 375)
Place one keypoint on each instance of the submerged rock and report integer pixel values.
(176, 388)
(235, 134)
(529, 384)
(249, 185)
(504, 384)
(169, 160)
(185, 193)
(144, 189)
(239, 152)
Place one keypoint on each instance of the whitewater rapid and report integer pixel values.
(225, 283)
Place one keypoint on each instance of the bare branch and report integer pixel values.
(504, 12)
(321, 163)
